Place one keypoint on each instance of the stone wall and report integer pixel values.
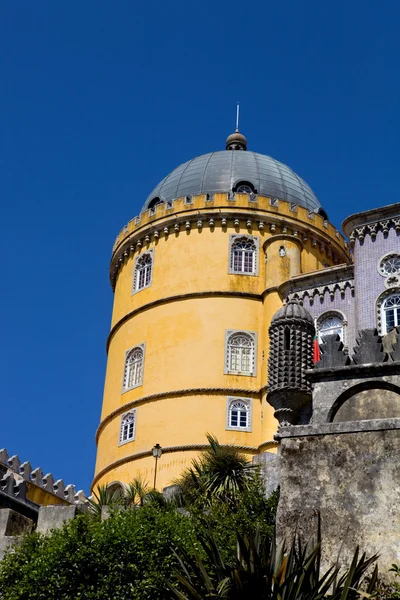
(353, 481)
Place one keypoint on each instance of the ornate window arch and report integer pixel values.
(244, 187)
(133, 368)
(331, 322)
(128, 427)
(238, 414)
(243, 254)
(143, 271)
(388, 310)
(240, 353)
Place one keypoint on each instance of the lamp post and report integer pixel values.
(156, 451)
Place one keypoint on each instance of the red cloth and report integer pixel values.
(317, 353)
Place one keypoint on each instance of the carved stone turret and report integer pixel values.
(291, 354)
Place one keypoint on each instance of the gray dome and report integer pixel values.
(293, 310)
(221, 171)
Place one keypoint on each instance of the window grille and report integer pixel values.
(243, 255)
(239, 414)
(133, 372)
(143, 271)
(240, 354)
(329, 326)
(128, 427)
(390, 264)
(391, 312)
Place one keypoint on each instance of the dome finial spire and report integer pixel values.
(236, 141)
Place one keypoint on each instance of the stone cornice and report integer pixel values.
(173, 394)
(330, 279)
(295, 220)
(178, 298)
(370, 222)
(188, 448)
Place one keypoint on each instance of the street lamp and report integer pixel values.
(156, 451)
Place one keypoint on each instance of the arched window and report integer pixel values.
(143, 271)
(244, 187)
(133, 371)
(128, 427)
(239, 414)
(391, 312)
(244, 255)
(154, 202)
(330, 324)
(240, 353)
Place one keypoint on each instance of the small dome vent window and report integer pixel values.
(323, 214)
(244, 187)
(154, 202)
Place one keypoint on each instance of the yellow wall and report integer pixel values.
(182, 319)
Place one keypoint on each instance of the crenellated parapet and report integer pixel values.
(370, 223)
(21, 481)
(227, 212)
(315, 285)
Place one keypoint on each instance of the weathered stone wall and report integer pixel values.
(353, 481)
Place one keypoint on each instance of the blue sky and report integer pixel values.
(99, 101)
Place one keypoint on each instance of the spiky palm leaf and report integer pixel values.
(103, 496)
(266, 570)
(221, 472)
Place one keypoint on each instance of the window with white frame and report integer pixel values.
(128, 427)
(239, 414)
(391, 312)
(243, 255)
(133, 369)
(330, 324)
(240, 353)
(143, 271)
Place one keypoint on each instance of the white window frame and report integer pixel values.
(131, 438)
(233, 238)
(136, 271)
(338, 314)
(253, 357)
(385, 257)
(230, 401)
(380, 312)
(125, 377)
(385, 310)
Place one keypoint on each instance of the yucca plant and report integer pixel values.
(221, 472)
(103, 496)
(265, 570)
(136, 492)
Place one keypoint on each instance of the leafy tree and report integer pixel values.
(127, 556)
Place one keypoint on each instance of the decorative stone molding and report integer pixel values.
(178, 298)
(20, 474)
(369, 223)
(320, 291)
(124, 248)
(187, 448)
(225, 391)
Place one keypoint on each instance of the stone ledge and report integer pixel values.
(354, 371)
(295, 431)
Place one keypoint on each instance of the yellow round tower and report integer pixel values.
(196, 278)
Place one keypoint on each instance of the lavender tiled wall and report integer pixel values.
(345, 303)
(368, 282)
